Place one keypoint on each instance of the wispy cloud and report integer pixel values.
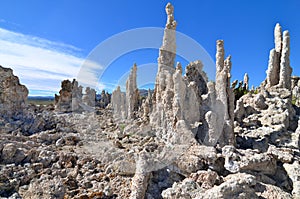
(40, 64)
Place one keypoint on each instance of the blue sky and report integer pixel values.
(48, 41)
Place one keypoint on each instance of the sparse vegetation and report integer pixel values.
(122, 127)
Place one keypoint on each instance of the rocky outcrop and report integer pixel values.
(295, 87)
(178, 143)
(273, 69)
(89, 97)
(127, 104)
(105, 99)
(132, 94)
(69, 96)
(246, 81)
(285, 68)
(293, 170)
(279, 70)
(221, 115)
(147, 106)
(194, 73)
(13, 95)
(118, 101)
(167, 52)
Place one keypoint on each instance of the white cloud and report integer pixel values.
(41, 64)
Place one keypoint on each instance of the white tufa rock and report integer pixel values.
(13, 95)
(273, 69)
(278, 38)
(224, 94)
(285, 68)
(118, 101)
(132, 94)
(279, 69)
(246, 81)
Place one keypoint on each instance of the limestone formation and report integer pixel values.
(90, 97)
(13, 95)
(70, 96)
(194, 73)
(167, 52)
(239, 112)
(224, 93)
(105, 98)
(118, 100)
(132, 94)
(295, 87)
(171, 23)
(279, 70)
(285, 68)
(293, 170)
(147, 106)
(273, 69)
(76, 95)
(140, 179)
(260, 102)
(71, 99)
(278, 38)
(127, 104)
(176, 97)
(246, 81)
(179, 142)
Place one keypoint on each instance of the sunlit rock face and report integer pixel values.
(132, 94)
(279, 69)
(89, 97)
(13, 95)
(118, 101)
(176, 97)
(185, 140)
(71, 98)
(126, 105)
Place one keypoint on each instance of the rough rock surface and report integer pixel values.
(221, 104)
(279, 69)
(186, 140)
(105, 99)
(13, 95)
(69, 96)
(90, 97)
(293, 170)
(246, 81)
(132, 94)
(118, 100)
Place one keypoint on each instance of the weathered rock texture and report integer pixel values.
(285, 68)
(246, 81)
(127, 104)
(105, 99)
(295, 87)
(90, 97)
(279, 70)
(250, 148)
(118, 100)
(175, 97)
(132, 94)
(159, 148)
(71, 98)
(147, 106)
(220, 116)
(167, 52)
(13, 95)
